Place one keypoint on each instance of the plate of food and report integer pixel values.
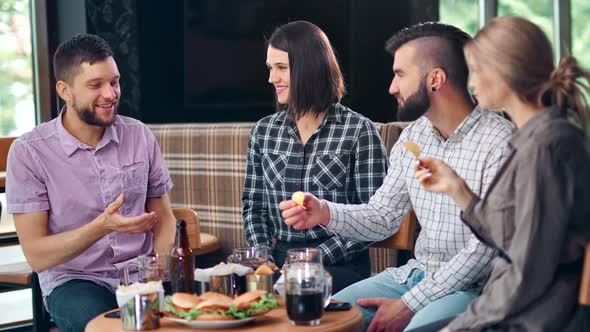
(213, 324)
(217, 311)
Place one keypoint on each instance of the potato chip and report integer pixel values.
(298, 197)
(413, 148)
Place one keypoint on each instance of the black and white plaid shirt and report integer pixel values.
(343, 161)
(446, 250)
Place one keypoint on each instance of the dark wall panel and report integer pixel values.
(117, 23)
(203, 60)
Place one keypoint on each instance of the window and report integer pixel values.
(580, 10)
(17, 108)
(461, 13)
(539, 12)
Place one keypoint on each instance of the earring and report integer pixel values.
(433, 89)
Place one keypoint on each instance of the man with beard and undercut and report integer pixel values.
(430, 84)
(88, 189)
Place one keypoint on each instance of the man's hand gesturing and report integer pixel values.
(114, 221)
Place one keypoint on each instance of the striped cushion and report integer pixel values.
(207, 165)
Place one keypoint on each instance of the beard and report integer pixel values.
(415, 105)
(87, 113)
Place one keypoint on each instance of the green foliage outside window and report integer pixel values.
(464, 14)
(17, 111)
(580, 31)
(539, 12)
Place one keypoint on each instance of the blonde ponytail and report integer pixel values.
(565, 89)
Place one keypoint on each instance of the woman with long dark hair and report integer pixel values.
(312, 144)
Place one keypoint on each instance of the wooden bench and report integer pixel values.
(402, 242)
(19, 275)
(201, 243)
(584, 298)
(5, 143)
(404, 238)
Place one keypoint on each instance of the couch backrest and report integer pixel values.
(207, 165)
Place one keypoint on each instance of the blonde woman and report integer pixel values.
(537, 211)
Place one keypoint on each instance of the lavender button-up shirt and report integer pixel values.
(50, 170)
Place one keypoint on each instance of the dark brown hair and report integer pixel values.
(316, 79)
(80, 49)
(449, 57)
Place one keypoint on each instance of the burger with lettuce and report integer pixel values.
(216, 306)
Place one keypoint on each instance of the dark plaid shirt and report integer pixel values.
(344, 161)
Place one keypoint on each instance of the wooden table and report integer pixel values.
(7, 234)
(2, 181)
(274, 321)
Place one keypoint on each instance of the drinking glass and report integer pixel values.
(307, 291)
(149, 267)
(249, 256)
(304, 255)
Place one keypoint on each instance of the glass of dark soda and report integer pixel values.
(307, 291)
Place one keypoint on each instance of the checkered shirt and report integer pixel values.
(451, 256)
(343, 161)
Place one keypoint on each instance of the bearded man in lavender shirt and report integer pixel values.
(88, 189)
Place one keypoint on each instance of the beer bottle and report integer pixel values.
(181, 262)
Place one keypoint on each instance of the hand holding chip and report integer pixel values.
(298, 198)
(304, 210)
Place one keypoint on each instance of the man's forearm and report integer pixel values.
(462, 195)
(364, 222)
(326, 217)
(166, 227)
(49, 251)
(164, 235)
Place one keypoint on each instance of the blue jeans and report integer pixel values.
(73, 304)
(383, 285)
